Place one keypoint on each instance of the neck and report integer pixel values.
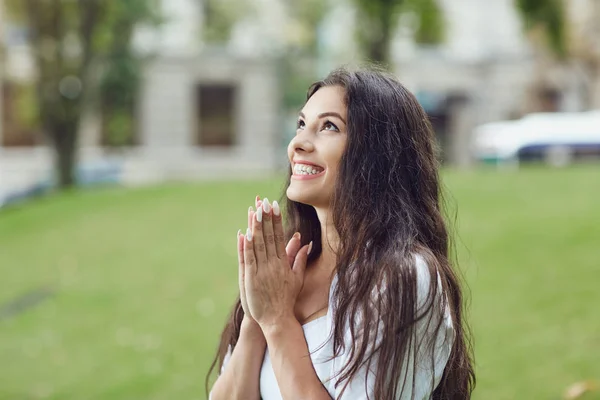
(329, 238)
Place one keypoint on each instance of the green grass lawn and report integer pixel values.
(143, 280)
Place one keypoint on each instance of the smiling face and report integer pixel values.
(318, 146)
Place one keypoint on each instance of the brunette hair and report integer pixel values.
(386, 207)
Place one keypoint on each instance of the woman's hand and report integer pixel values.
(272, 276)
(291, 251)
(241, 271)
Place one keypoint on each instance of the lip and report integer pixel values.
(306, 163)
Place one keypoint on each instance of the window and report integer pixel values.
(216, 115)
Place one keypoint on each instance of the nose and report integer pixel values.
(302, 143)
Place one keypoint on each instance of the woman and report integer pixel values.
(362, 303)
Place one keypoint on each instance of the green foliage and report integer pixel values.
(26, 106)
(377, 9)
(15, 10)
(378, 20)
(431, 24)
(550, 16)
(120, 17)
(122, 75)
(119, 127)
(66, 38)
(307, 15)
(220, 16)
(296, 78)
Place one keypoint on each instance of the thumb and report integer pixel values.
(292, 248)
(301, 258)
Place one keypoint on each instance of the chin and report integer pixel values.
(297, 195)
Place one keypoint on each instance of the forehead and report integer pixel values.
(326, 99)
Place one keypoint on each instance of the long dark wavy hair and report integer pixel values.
(386, 207)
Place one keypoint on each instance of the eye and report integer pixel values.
(330, 126)
(300, 124)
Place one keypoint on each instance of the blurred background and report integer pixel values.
(134, 135)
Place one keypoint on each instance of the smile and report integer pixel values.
(304, 171)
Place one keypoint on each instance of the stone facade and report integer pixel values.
(167, 147)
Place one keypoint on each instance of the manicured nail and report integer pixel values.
(259, 214)
(239, 233)
(249, 234)
(266, 205)
(296, 235)
(276, 210)
(250, 209)
(309, 248)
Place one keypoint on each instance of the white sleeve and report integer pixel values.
(429, 361)
(226, 358)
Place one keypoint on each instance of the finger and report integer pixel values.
(257, 204)
(278, 231)
(268, 232)
(240, 246)
(249, 258)
(257, 238)
(292, 248)
(301, 258)
(250, 216)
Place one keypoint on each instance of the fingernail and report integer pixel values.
(296, 235)
(309, 248)
(239, 232)
(276, 210)
(266, 205)
(250, 209)
(249, 234)
(259, 215)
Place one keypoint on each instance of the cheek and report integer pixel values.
(334, 158)
(333, 172)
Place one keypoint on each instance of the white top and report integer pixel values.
(320, 345)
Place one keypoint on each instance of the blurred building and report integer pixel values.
(210, 112)
(486, 69)
(203, 113)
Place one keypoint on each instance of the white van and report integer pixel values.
(555, 137)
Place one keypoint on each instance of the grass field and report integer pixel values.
(141, 281)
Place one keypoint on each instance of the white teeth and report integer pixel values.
(301, 169)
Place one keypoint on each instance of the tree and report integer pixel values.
(122, 67)
(66, 37)
(378, 20)
(296, 63)
(558, 40)
(584, 49)
(544, 24)
(544, 20)
(220, 16)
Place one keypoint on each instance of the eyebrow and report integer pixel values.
(326, 114)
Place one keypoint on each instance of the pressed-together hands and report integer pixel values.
(271, 275)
